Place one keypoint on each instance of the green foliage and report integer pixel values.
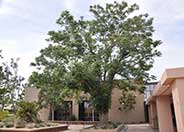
(11, 84)
(108, 125)
(3, 114)
(8, 124)
(89, 55)
(9, 120)
(1, 124)
(37, 125)
(28, 111)
(31, 125)
(20, 123)
(4, 97)
(128, 100)
(52, 90)
(72, 118)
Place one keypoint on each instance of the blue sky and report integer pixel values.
(24, 25)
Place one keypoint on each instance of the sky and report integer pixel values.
(24, 25)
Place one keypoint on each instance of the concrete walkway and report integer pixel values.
(76, 128)
(131, 128)
(139, 128)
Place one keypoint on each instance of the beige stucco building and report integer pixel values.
(164, 109)
(166, 104)
(136, 115)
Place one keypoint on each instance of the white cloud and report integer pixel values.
(165, 12)
(5, 7)
(171, 57)
(26, 51)
(9, 45)
(4, 10)
(70, 4)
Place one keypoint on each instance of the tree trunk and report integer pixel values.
(104, 118)
(2, 108)
(13, 104)
(52, 113)
(93, 115)
(14, 109)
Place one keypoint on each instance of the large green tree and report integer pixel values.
(114, 44)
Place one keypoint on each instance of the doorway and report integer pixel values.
(86, 112)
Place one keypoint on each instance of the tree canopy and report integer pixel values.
(90, 55)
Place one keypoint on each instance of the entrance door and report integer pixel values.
(81, 111)
(87, 113)
(64, 111)
(146, 113)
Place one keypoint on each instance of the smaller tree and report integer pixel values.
(3, 91)
(52, 91)
(4, 99)
(11, 83)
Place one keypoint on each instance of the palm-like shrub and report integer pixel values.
(3, 114)
(8, 121)
(28, 111)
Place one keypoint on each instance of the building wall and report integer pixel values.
(31, 94)
(75, 108)
(134, 116)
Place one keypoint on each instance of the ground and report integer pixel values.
(139, 128)
(76, 128)
(131, 128)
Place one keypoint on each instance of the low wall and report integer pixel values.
(76, 122)
(43, 129)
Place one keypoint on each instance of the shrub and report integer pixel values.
(8, 120)
(19, 123)
(30, 125)
(8, 124)
(1, 124)
(72, 118)
(108, 125)
(3, 114)
(28, 111)
(37, 125)
(43, 124)
(48, 125)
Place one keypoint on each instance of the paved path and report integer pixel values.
(76, 128)
(139, 128)
(131, 128)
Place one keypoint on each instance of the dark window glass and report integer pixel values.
(63, 111)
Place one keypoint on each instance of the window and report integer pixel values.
(63, 111)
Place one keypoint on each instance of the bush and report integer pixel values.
(108, 125)
(1, 124)
(72, 118)
(19, 123)
(8, 124)
(41, 124)
(3, 114)
(30, 125)
(38, 125)
(8, 120)
(28, 111)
